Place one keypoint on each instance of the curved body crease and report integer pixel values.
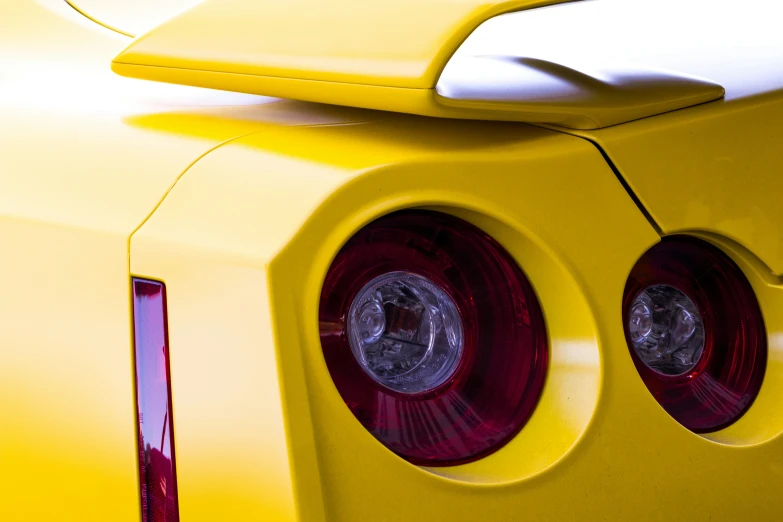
(615, 135)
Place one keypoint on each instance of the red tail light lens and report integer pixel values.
(695, 332)
(157, 471)
(433, 337)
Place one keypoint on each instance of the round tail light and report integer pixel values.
(433, 336)
(695, 332)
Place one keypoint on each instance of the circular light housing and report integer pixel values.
(433, 337)
(695, 332)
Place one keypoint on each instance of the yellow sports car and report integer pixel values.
(391, 260)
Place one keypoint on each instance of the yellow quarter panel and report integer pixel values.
(714, 168)
(83, 161)
(251, 229)
(243, 241)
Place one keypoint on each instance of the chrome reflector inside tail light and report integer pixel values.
(405, 332)
(433, 336)
(157, 471)
(666, 330)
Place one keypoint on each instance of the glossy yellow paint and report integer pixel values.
(239, 205)
(389, 56)
(714, 168)
(712, 172)
(598, 446)
(401, 43)
(77, 176)
(379, 55)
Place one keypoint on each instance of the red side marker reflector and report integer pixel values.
(157, 471)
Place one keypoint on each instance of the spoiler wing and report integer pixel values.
(390, 55)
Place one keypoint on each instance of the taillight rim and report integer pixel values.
(577, 365)
(675, 261)
(463, 373)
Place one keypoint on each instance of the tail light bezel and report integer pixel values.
(570, 396)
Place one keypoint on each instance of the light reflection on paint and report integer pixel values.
(776, 346)
(733, 44)
(577, 353)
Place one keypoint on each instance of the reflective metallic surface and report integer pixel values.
(405, 332)
(666, 330)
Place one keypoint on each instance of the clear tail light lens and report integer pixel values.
(405, 332)
(157, 471)
(433, 337)
(666, 330)
(695, 332)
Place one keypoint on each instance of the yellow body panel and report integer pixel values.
(714, 168)
(598, 445)
(239, 205)
(78, 174)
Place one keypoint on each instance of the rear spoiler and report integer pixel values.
(392, 55)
